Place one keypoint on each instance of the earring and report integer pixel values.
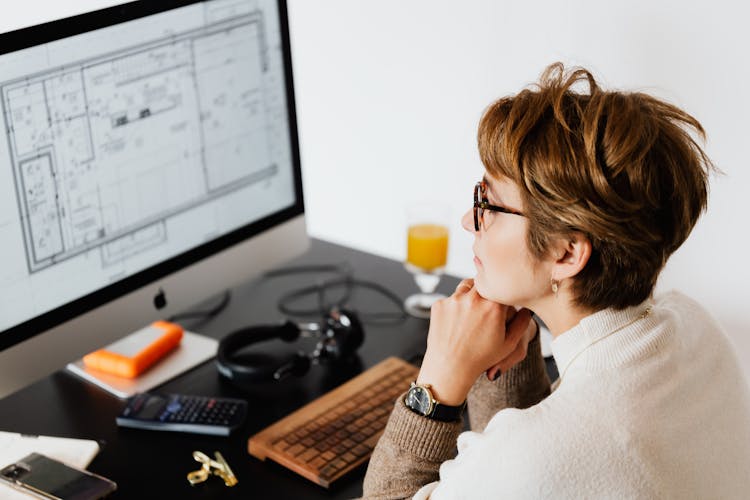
(555, 286)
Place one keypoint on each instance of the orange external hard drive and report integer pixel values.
(132, 355)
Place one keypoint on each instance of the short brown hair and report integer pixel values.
(619, 167)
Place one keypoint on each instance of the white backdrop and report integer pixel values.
(389, 93)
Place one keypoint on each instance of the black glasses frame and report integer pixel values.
(481, 204)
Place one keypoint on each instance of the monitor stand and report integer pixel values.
(193, 350)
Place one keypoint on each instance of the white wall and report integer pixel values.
(389, 93)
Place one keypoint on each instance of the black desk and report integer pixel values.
(148, 464)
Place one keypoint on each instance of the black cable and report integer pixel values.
(206, 314)
(321, 290)
(349, 283)
(343, 270)
(345, 281)
(318, 289)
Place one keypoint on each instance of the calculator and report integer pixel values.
(183, 413)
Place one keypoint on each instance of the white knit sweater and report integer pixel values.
(658, 409)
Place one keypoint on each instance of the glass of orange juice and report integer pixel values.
(426, 254)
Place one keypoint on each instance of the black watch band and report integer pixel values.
(419, 399)
(445, 413)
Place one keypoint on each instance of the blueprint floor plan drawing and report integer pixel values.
(105, 150)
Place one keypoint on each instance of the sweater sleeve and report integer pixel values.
(409, 454)
(522, 386)
(412, 448)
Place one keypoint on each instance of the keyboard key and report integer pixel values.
(309, 454)
(361, 450)
(318, 462)
(295, 450)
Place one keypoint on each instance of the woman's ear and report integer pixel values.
(570, 255)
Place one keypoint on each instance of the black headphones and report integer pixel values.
(339, 335)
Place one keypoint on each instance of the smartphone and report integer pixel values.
(47, 478)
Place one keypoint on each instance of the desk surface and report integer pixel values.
(147, 464)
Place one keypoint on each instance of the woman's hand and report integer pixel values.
(518, 354)
(468, 336)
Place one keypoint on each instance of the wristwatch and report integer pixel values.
(419, 399)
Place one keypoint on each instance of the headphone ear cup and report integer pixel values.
(353, 336)
(246, 368)
(242, 367)
(297, 366)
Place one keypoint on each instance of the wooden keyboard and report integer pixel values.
(337, 432)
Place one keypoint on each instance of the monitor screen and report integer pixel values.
(139, 142)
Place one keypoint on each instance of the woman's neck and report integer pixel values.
(560, 315)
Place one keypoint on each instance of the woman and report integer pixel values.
(586, 194)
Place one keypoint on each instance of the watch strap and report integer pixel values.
(445, 413)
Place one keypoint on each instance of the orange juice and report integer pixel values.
(427, 246)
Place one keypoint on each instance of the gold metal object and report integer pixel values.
(218, 467)
(198, 476)
(226, 472)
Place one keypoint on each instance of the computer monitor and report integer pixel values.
(149, 159)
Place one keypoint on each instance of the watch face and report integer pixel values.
(419, 399)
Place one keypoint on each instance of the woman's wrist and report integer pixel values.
(448, 387)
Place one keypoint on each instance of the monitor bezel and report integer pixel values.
(110, 16)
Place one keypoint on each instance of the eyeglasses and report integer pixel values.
(481, 204)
